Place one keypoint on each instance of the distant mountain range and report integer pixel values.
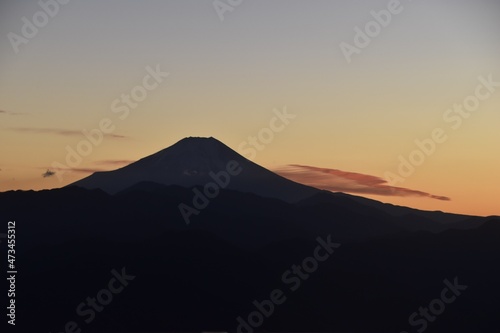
(196, 161)
(203, 275)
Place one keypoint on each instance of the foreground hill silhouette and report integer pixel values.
(203, 276)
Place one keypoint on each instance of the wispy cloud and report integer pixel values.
(80, 170)
(12, 113)
(114, 162)
(59, 131)
(350, 182)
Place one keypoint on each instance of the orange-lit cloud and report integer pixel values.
(350, 182)
(60, 132)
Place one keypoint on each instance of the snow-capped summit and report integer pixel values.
(193, 161)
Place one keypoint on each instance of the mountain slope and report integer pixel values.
(194, 161)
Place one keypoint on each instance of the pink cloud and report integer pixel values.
(342, 181)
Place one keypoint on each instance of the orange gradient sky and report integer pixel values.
(226, 78)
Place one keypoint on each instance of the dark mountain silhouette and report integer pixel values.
(203, 276)
(190, 162)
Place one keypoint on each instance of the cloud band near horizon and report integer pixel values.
(342, 181)
(59, 131)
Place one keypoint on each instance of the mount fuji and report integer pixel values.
(260, 233)
(192, 162)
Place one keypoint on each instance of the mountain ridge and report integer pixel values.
(192, 162)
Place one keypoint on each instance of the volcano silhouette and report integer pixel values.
(191, 162)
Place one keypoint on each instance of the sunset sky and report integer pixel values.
(228, 78)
